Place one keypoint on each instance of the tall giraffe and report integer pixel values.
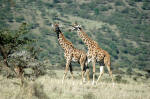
(71, 54)
(95, 53)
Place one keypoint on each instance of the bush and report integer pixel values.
(104, 8)
(44, 31)
(96, 11)
(119, 3)
(125, 11)
(129, 70)
(68, 1)
(131, 3)
(56, 1)
(31, 66)
(83, 13)
(138, 0)
(146, 6)
(33, 25)
(20, 19)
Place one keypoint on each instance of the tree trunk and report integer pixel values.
(4, 55)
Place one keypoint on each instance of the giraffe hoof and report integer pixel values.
(73, 84)
(84, 80)
(113, 84)
(93, 83)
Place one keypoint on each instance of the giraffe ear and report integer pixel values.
(53, 27)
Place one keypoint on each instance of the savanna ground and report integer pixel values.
(50, 86)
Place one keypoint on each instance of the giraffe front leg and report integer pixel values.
(101, 73)
(66, 69)
(83, 73)
(110, 74)
(83, 68)
(93, 63)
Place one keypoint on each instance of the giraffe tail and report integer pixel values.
(86, 62)
(86, 68)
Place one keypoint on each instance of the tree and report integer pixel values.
(96, 11)
(10, 41)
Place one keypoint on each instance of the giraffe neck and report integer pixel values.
(64, 43)
(85, 38)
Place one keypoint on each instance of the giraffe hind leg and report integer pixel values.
(87, 70)
(110, 73)
(93, 63)
(107, 64)
(71, 71)
(88, 73)
(82, 70)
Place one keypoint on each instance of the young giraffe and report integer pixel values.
(95, 53)
(71, 54)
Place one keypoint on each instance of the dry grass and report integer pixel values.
(46, 87)
(56, 90)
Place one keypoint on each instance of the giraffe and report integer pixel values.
(95, 53)
(71, 54)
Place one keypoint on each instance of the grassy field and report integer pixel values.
(49, 87)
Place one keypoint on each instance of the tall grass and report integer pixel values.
(46, 87)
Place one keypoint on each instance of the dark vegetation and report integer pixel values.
(129, 49)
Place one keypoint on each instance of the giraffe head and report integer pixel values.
(76, 27)
(56, 29)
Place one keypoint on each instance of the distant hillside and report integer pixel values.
(122, 27)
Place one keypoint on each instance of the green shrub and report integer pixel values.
(119, 3)
(131, 3)
(104, 8)
(68, 1)
(146, 6)
(20, 19)
(96, 11)
(129, 70)
(125, 11)
(44, 31)
(56, 1)
(138, 0)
